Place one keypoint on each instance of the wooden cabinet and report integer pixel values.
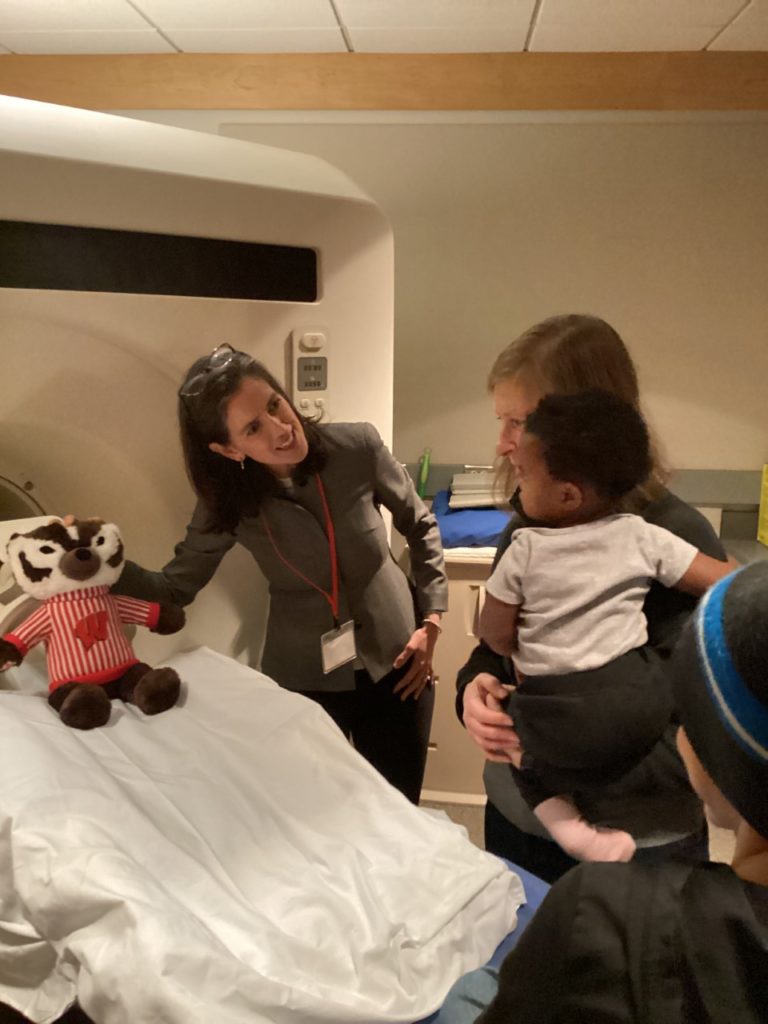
(455, 763)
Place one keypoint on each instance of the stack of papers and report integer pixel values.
(474, 490)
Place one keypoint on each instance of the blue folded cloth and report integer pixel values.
(468, 527)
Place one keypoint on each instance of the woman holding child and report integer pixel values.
(653, 802)
(565, 604)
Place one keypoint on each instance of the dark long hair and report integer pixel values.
(228, 491)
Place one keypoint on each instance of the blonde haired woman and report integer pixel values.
(654, 802)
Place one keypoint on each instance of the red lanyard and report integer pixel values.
(333, 597)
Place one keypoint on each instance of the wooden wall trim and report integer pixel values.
(370, 81)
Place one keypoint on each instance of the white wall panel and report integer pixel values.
(499, 14)
(260, 40)
(87, 41)
(227, 14)
(438, 40)
(749, 31)
(50, 15)
(625, 25)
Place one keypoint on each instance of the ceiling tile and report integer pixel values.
(281, 40)
(436, 40)
(624, 25)
(67, 15)
(749, 31)
(499, 15)
(81, 41)
(234, 14)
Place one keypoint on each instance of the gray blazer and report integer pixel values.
(359, 475)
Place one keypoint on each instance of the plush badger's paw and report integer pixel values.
(171, 619)
(86, 706)
(10, 655)
(157, 691)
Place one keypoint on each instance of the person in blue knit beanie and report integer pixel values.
(673, 943)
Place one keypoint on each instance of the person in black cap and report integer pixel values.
(674, 943)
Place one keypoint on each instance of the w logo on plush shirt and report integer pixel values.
(91, 629)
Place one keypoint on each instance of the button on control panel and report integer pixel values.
(310, 371)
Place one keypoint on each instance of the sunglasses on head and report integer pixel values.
(217, 361)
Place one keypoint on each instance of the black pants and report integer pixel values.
(390, 733)
(583, 730)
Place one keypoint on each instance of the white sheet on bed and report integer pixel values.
(232, 860)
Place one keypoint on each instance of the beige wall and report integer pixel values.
(660, 226)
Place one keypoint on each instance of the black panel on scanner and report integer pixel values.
(64, 258)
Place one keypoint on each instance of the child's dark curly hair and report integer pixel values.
(593, 438)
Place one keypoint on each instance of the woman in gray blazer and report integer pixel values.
(345, 626)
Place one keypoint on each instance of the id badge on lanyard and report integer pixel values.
(337, 646)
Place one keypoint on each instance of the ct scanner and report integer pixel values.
(178, 867)
(88, 402)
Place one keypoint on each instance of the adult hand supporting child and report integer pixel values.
(568, 355)
(488, 724)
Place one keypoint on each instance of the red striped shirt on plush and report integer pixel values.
(83, 635)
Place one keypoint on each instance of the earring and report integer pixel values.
(242, 463)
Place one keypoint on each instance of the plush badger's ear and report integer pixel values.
(6, 573)
(13, 530)
(4, 554)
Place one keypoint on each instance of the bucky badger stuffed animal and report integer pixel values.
(69, 565)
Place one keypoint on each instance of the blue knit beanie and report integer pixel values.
(720, 672)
